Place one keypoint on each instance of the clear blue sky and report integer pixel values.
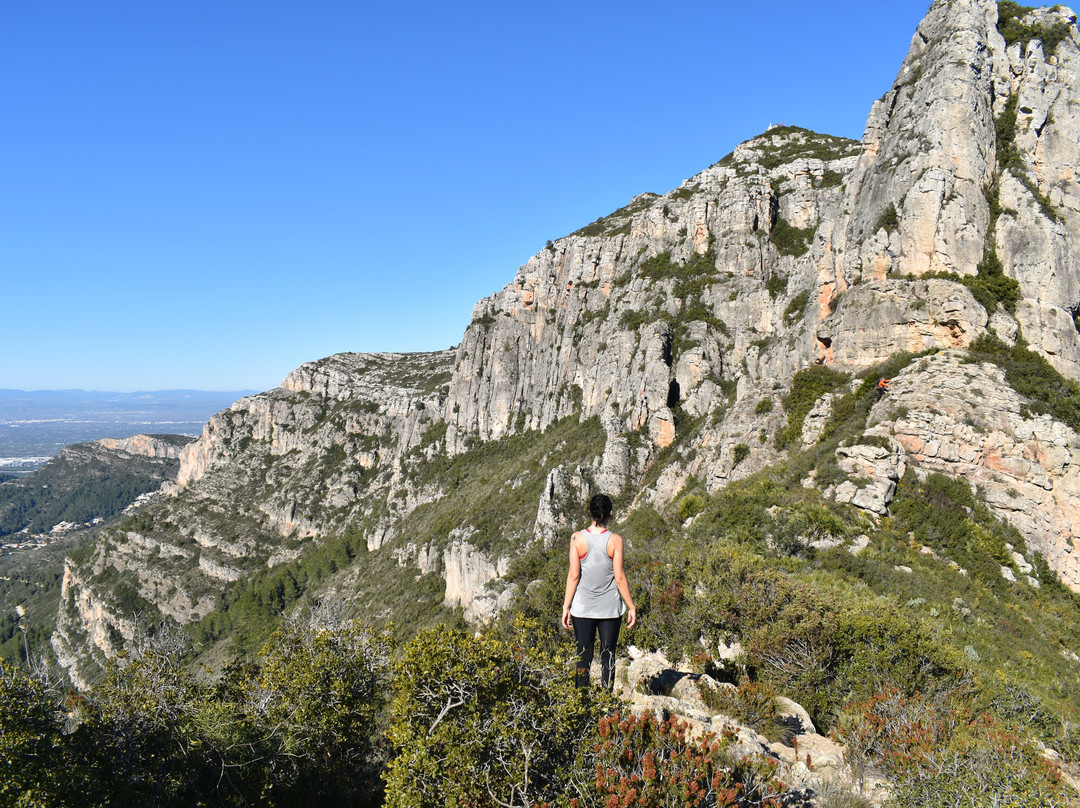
(207, 194)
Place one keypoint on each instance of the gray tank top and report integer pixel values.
(597, 595)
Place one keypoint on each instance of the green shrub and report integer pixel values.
(740, 453)
(1010, 24)
(937, 512)
(776, 285)
(830, 178)
(689, 505)
(797, 142)
(796, 306)
(807, 386)
(484, 321)
(1033, 377)
(632, 320)
(944, 753)
(320, 693)
(888, 220)
(791, 240)
(690, 275)
(764, 406)
(38, 760)
(617, 222)
(485, 721)
(751, 703)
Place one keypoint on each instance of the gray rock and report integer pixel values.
(793, 715)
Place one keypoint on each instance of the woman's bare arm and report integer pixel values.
(572, 578)
(615, 550)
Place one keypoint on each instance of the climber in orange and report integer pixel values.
(882, 387)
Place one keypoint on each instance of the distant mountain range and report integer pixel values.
(39, 423)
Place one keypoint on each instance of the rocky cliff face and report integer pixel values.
(244, 497)
(657, 305)
(971, 154)
(167, 447)
(676, 325)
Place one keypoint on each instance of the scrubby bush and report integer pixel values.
(1033, 377)
(791, 240)
(796, 306)
(1011, 25)
(752, 703)
(807, 386)
(818, 649)
(642, 761)
(317, 701)
(38, 764)
(947, 754)
(942, 512)
(485, 721)
(689, 505)
(297, 724)
(888, 220)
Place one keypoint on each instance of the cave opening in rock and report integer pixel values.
(673, 394)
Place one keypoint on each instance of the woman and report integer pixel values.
(596, 589)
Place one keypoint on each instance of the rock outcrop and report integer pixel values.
(89, 482)
(811, 764)
(962, 419)
(167, 447)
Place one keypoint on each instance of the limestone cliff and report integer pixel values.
(961, 418)
(973, 153)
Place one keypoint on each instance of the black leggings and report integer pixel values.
(585, 629)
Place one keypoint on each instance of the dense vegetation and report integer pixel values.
(791, 240)
(77, 487)
(807, 387)
(799, 143)
(906, 668)
(1033, 377)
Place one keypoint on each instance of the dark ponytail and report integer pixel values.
(600, 509)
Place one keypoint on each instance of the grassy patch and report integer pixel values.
(796, 306)
(888, 220)
(776, 285)
(617, 222)
(804, 143)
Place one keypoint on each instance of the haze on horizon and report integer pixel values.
(203, 196)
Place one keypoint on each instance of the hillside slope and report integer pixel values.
(88, 481)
